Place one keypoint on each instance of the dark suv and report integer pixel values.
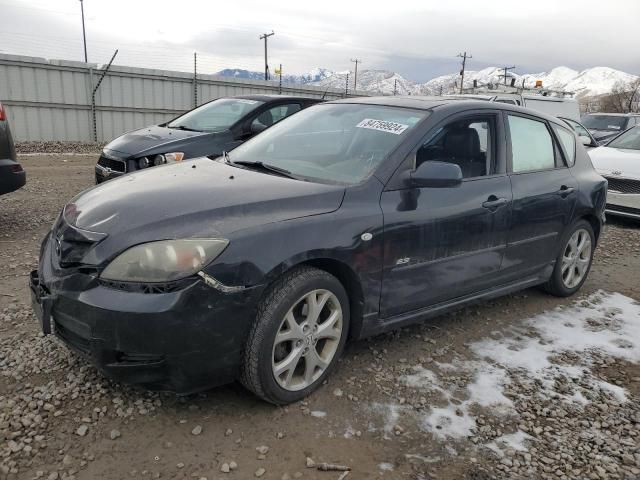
(348, 219)
(12, 176)
(210, 129)
(605, 126)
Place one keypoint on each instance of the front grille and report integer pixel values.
(623, 185)
(113, 164)
(623, 209)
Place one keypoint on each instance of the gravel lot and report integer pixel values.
(528, 386)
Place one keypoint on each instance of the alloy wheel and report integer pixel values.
(576, 258)
(307, 340)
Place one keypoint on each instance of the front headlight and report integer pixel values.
(172, 157)
(165, 260)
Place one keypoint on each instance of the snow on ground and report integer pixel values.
(540, 351)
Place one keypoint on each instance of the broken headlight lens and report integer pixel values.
(164, 261)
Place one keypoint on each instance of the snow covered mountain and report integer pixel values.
(315, 75)
(590, 82)
(586, 83)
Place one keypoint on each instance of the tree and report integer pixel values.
(624, 98)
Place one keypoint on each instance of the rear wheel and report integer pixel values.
(574, 262)
(298, 336)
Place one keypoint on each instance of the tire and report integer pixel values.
(561, 284)
(309, 350)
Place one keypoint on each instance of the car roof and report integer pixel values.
(269, 98)
(455, 104)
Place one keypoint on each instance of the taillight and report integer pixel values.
(16, 168)
(3, 113)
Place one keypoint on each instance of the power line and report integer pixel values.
(264, 37)
(355, 75)
(464, 57)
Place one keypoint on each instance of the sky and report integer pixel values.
(418, 39)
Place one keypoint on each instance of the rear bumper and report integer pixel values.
(183, 341)
(9, 179)
(623, 205)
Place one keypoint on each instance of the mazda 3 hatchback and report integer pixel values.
(210, 129)
(348, 219)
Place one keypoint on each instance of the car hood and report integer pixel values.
(199, 199)
(616, 161)
(600, 135)
(146, 139)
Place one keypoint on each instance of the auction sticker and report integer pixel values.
(383, 126)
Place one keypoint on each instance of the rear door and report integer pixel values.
(544, 195)
(443, 243)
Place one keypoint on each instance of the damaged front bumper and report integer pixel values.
(181, 340)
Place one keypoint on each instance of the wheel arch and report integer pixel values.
(345, 275)
(595, 224)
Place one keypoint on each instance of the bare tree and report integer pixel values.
(624, 98)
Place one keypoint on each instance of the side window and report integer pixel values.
(468, 143)
(275, 114)
(531, 145)
(568, 140)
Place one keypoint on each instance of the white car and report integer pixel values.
(619, 163)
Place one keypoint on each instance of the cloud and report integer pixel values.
(419, 39)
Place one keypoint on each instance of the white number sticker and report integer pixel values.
(383, 126)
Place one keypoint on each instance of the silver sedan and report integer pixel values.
(619, 163)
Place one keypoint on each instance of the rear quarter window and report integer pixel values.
(568, 141)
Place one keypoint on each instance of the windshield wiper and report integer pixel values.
(182, 127)
(261, 166)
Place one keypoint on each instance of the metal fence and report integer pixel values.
(52, 99)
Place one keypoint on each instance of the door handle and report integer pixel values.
(565, 191)
(493, 203)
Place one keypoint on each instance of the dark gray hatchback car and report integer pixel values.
(348, 219)
(12, 176)
(210, 129)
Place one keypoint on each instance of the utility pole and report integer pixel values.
(264, 37)
(355, 74)
(464, 57)
(506, 71)
(84, 35)
(279, 72)
(195, 79)
(346, 86)
(395, 86)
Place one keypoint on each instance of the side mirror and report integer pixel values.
(586, 141)
(436, 175)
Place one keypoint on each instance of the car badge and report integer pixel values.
(616, 172)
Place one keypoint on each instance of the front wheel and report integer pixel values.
(298, 336)
(574, 262)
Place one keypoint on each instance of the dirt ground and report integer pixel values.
(58, 416)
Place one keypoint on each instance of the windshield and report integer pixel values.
(629, 139)
(604, 122)
(215, 116)
(337, 143)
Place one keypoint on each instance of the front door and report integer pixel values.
(443, 243)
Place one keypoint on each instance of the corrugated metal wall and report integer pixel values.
(51, 99)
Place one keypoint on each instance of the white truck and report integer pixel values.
(557, 106)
